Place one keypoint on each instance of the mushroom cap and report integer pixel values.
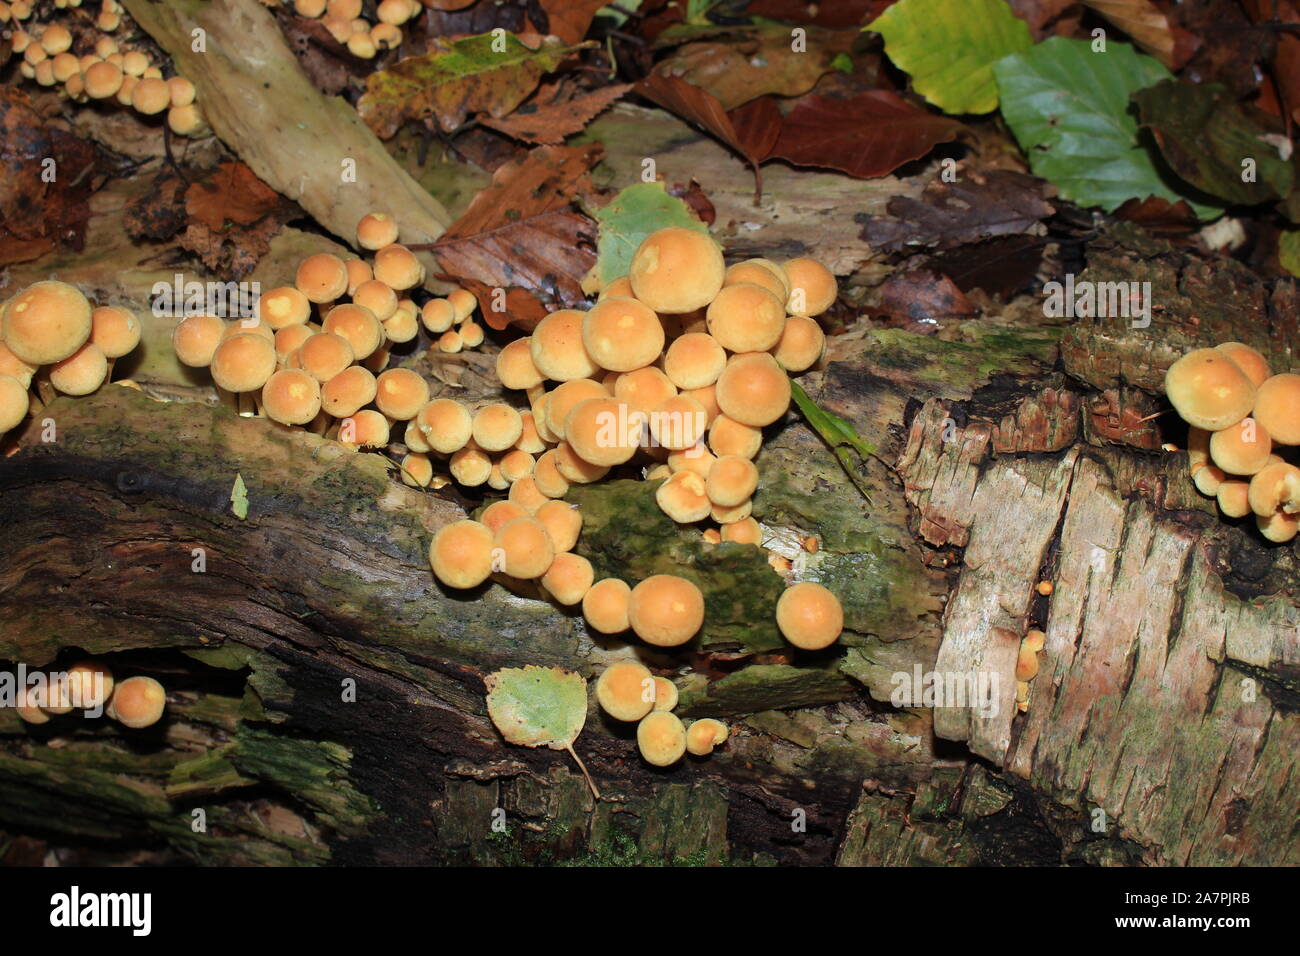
(1198, 445)
(809, 616)
(397, 266)
(557, 349)
(530, 439)
(83, 677)
(697, 459)
(401, 393)
(1207, 479)
(470, 467)
(322, 277)
(802, 345)
(447, 425)
(291, 397)
(732, 480)
(622, 334)
(283, 307)
(243, 363)
(1277, 408)
(103, 79)
(547, 476)
(574, 468)
(666, 694)
(563, 522)
(183, 91)
(1234, 498)
(138, 702)
(569, 578)
(348, 392)
(683, 498)
(753, 389)
(358, 272)
(324, 355)
(761, 272)
(413, 438)
(515, 368)
(746, 318)
(151, 96)
(1243, 448)
(437, 315)
(730, 514)
(515, 464)
(376, 296)
(702, 736)
(358, 325)
(461, 554)
(450, 342)
(744, 531)
(1248, 360)
(1034, 639)
(1209, 390)
(56, 39)
(527, 495)
(605, 606)
(497, 427)
(196, 338)
(463, 302)
(812, 287)
(644, 389)
(677, 270)
(1278, 527)
(15, 367)
(603, 431)
(497, 481)
(417, 470)
(567, 396)
(625, 689)
(401, 326)
(708, 399)
(249, 326)
(375, 231)
(1275, 487)
(14, 403)
(364, 429)
(81, 372)
(678, 423)
(46, 322)
(621, 286)
(666, 610)
(525, 548)
(1026, 664)
(661, 738)
(499, 512)
(695, 360)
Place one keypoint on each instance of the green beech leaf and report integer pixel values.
(948, 48)
(539, 707)
(833, 430)
(1071, 111)
(239, 497)
(628, 218)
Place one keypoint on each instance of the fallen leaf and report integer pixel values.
(693, 195)
(540, 707)
(522, 232)
(461, 77)
(159, 213)
(975, 208)
(23, 146)
(239, 498)
(1145, 24)
(569, 19)
(924, 297)
(232, 194)
(231, 253)
(1041, 15)
(550, 119)
(1160, 216)
(948, 48)
(628, 218)
(840, 13)
(868, 136)
(758, 126)
(1002, 266)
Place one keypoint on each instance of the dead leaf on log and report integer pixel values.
(554, 115)
(459, 78)
(233, 253)
(326, 62)
(919, 299)
(693, 195)
(233, 194)
(523, 234)
(159, 213)
(1002, 266)
(23, 146)
(568, 19)
(756, 63)
(976, 207)
(1149, 28)
(867, 136)
(1155, 214)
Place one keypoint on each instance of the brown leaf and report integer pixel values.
(570, 19)
(159, 213)
(867, 136)
(694, 196)
(1157, 215)
(14, 250)
(234, 253)
(757, 125)
(233, 194)
(23, 146)
(975, 208)
(551, 118)
(1148, 27)
(836, 14)
(739, 69)
(1041, 15)
(920, 299)
(522, 234)
(1001, 266)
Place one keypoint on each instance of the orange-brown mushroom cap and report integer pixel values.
(1277, 408)
(677, 270)
(46, 322)
(809, 616)
(605, 606)
(138, 702)
(622, 334)
(461, 554)
(753, 389)
(1209, 390)
(661, 738)
(666, 610)
(243, 363)
(625, 690)
(322, 277)
(291, 397)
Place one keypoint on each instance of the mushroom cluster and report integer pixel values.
(135, 702)
(627, 691)
(1027, 665)
(1244, 424)
(90, 64)
(345, 23)
(52, 338)
(317, 352)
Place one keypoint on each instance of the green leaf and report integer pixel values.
(1070, 110)
(539, 707)
(948, 48)
(1288, 251)
(239, 497)
(835, 431)
(477, 74)
(1205, 135)
(628, 218)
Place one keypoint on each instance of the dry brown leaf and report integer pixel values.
(550, 118)
(234, 194)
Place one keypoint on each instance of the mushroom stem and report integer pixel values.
(44, 387)
(583, 767)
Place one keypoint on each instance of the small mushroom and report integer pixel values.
(622, 334)
(753, 389)
(243, 363)
(645, 389)
(574, 468)
(563, 522)
(605, 606)
(547, 478)
(527, 495)
(437, 315)
(812, 287)
(569, 578)
(666, 610)
(732, 481)
(325, 355)
(1274, 488)
(525, 547)
(46, 322)
(401, 393)
(728, 437)
(703, 735)
(398, 267)
(1248, 360)
(677, 270)
(744, 531)
(291, 397)
(196, 338)
(802, 345)
(763, 272)
(661, 738)
(470, 467)
(746, 318)
(557, 348)
(694, 360)
(809, 616)
(497, 427)
(14, 403)
(625, 690)
(358, 325)
(1277, 408)
(82, 372)
(666, 695)
(348, 392)
(1209, 390)
(447, 425)
(461, 554)
(515, 368)
(138, 702)
(1241, 449)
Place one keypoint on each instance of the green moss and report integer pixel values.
(963, 365)
(762, 687)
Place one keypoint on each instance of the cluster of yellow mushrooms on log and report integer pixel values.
(346, 24)
(90, 65)
(1242, 419)
(675, 371)
(136, 702)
